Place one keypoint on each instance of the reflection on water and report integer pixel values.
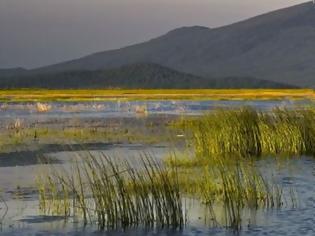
(297, 173)
(18, 171)
(111, 109)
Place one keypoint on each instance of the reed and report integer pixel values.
(247, 132)
(288, 131)
(232, 185)
(40, 107)
(4, 210)
(115, 196)
(238, 186)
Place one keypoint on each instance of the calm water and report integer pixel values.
(19, 171)
(297, 173)
(120, 109)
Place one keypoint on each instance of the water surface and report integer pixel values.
(19, 169)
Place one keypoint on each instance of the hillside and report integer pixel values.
(12, 72)
(131, 76)
(278, 46)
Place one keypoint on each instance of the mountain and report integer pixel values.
(277, 46)
(131, 76)
(12, 72)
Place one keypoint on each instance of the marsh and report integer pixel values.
(37, 145)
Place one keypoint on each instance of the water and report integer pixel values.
(119, 109)
(297, 173)
(18, 171)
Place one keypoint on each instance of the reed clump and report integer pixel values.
(232, 185)
(288, 131)
(242, 182)
(41, 107)
(248, 132)
(238, 186)
(150, 194)
(114, 196)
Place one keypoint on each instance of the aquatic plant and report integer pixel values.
(120, 195)
(238, 186)
(248, 132)
(232, 185)
(41, 107)
(141, 110)
(4, 210)
(115, 196)
(288, 131)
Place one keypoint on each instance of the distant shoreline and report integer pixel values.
(45, 95)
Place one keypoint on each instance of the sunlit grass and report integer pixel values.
(22, 138)
(153, 94)
(248, 132)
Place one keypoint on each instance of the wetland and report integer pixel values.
(157, 167)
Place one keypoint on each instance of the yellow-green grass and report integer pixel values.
(21, 139)
(114, 196)
(248, 132)
(153, 94)
(118, 195)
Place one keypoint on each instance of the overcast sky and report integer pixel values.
(40, 32)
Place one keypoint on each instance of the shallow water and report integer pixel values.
(18, 171)
(119, 109)
(297, 173)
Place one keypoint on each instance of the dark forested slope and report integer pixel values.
(131, 76)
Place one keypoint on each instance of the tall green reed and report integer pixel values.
(229, 185)
(248, 132)
(114, 195)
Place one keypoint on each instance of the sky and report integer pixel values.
(35, 33)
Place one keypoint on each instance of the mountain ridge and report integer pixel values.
(136, 76)
(278, 46)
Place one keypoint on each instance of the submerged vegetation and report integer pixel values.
(3, 209)
(19, 136)
(231, 185)
(120, 195)
(114, 196)
(248, 132)
(214, 172)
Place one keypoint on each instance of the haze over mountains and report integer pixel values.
(135, 76)
(278, 47)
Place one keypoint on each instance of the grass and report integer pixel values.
(115, 197)
(152, 195)
(119, 195)
(4, 210)
(247, 132)
(24, 138)
(229, 187)
(42, 95)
